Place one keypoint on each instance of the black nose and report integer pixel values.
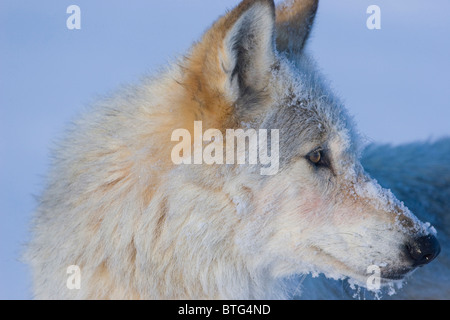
(423, 250)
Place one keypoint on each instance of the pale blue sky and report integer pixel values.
(394, 80)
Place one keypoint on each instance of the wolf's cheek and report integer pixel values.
(312, 205)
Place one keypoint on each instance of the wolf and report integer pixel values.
(139, 226)
(419, 174)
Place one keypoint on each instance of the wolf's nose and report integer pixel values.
(423, 250)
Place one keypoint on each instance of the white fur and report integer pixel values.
(140, 227)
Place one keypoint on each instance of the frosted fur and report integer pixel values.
(140, 227)
(419, 174)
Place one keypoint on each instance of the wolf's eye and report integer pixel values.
(318, 158)
(315, 157)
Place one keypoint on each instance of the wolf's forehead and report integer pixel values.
(306, 110)
(303, 103)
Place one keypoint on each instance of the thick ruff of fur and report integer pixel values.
(140, 227)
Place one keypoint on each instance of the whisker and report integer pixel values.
(299, 285)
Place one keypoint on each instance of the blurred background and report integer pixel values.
(394, 80)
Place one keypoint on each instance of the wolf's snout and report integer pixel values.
(423, 250)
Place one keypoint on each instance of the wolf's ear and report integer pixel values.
(295, 19)
(248, 48)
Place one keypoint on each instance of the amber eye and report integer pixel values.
(319, 159)
(315, 157)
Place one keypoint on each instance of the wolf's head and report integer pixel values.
(321, 213)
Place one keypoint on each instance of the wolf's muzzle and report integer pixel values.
(423, 250)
